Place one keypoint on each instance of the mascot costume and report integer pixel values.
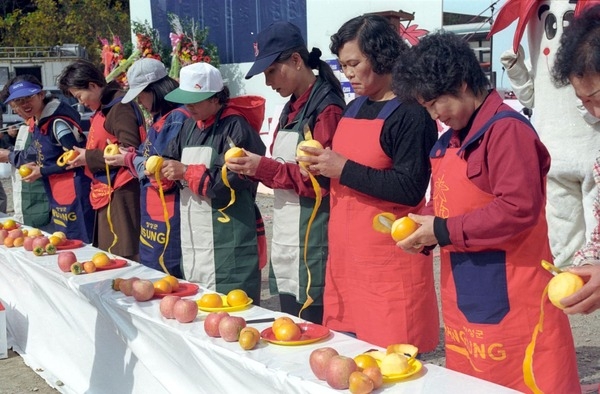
(571, 135)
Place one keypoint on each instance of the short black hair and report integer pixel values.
(439, 64)
(79, 75)
(377, 39)
(579, 50)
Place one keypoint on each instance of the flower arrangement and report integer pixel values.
(189, 45)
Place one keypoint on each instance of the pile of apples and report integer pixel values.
(363, 373)
(32, 240)
(174, 307)
(143, 289)
(231, 329)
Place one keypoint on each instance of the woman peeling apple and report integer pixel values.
(487, 214)
(112, 122)
(55, 129)
(316, 103)
(378, 162)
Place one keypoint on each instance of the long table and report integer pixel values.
(83, 337)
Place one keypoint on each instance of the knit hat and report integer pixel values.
(142, 73)
(271, 42)
(197, 82)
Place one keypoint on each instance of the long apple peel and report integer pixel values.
(161, 193)
(225, 217)
(108, 218)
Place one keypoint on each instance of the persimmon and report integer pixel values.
(237, 297)
(162, 286)
(287, 332)
(210, 300)
(100, 259)
(563, 285)
(364, 361)
(403, 227)
(173, 281)
(279, 321)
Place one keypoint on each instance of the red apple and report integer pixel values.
(319, 358)
(3, 234)
(66, 260)
(28, 244)
(185, 311)
(359, 383)
(338, 372)
(230, 327)
(126, 285)
(374, 373)
(142, 290)
(41, 242)
(211, 323)
(16, 233)
(167, 304)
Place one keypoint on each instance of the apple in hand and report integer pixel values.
(66, 260)
(211, 323)
(319, 358)
(338, 372)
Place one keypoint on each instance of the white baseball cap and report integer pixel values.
(142, 73)
(197, 82)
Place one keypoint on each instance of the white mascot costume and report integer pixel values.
(571, 135)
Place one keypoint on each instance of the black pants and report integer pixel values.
(313, 313)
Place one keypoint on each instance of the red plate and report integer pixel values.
(310, 333)
(114, 264)
(70, 244)
(185, 289)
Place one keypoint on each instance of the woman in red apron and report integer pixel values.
(378, 162)
(117, 227)
(315, 102)
(488, 202)
(55, 129)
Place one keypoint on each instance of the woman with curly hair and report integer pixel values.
(578, 64)
(487, 214)
(378, 163)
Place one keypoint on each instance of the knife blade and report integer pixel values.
(387, 222)
(265, 320)
(230, 142)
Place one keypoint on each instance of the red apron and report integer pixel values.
(372, 287)
(491, 296)
(100, 192)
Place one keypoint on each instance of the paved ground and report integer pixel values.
(17, 378)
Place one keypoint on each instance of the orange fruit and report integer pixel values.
(287, 332)
(364, 361)
(100, 259)
(281, 320)
(403, 227)
(89, 267)
(563, 285)
(9, 242)
(18, 241)
(173, 281)
(162, 286)
(237, 297)
(54, 240)
(25, 232)
(25, 171)
(210, 300)
(60, 235)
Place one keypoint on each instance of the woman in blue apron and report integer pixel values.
(220, 255)
(316, 102)
(160, 242)
(56, 129)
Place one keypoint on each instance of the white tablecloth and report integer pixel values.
(88, 338)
